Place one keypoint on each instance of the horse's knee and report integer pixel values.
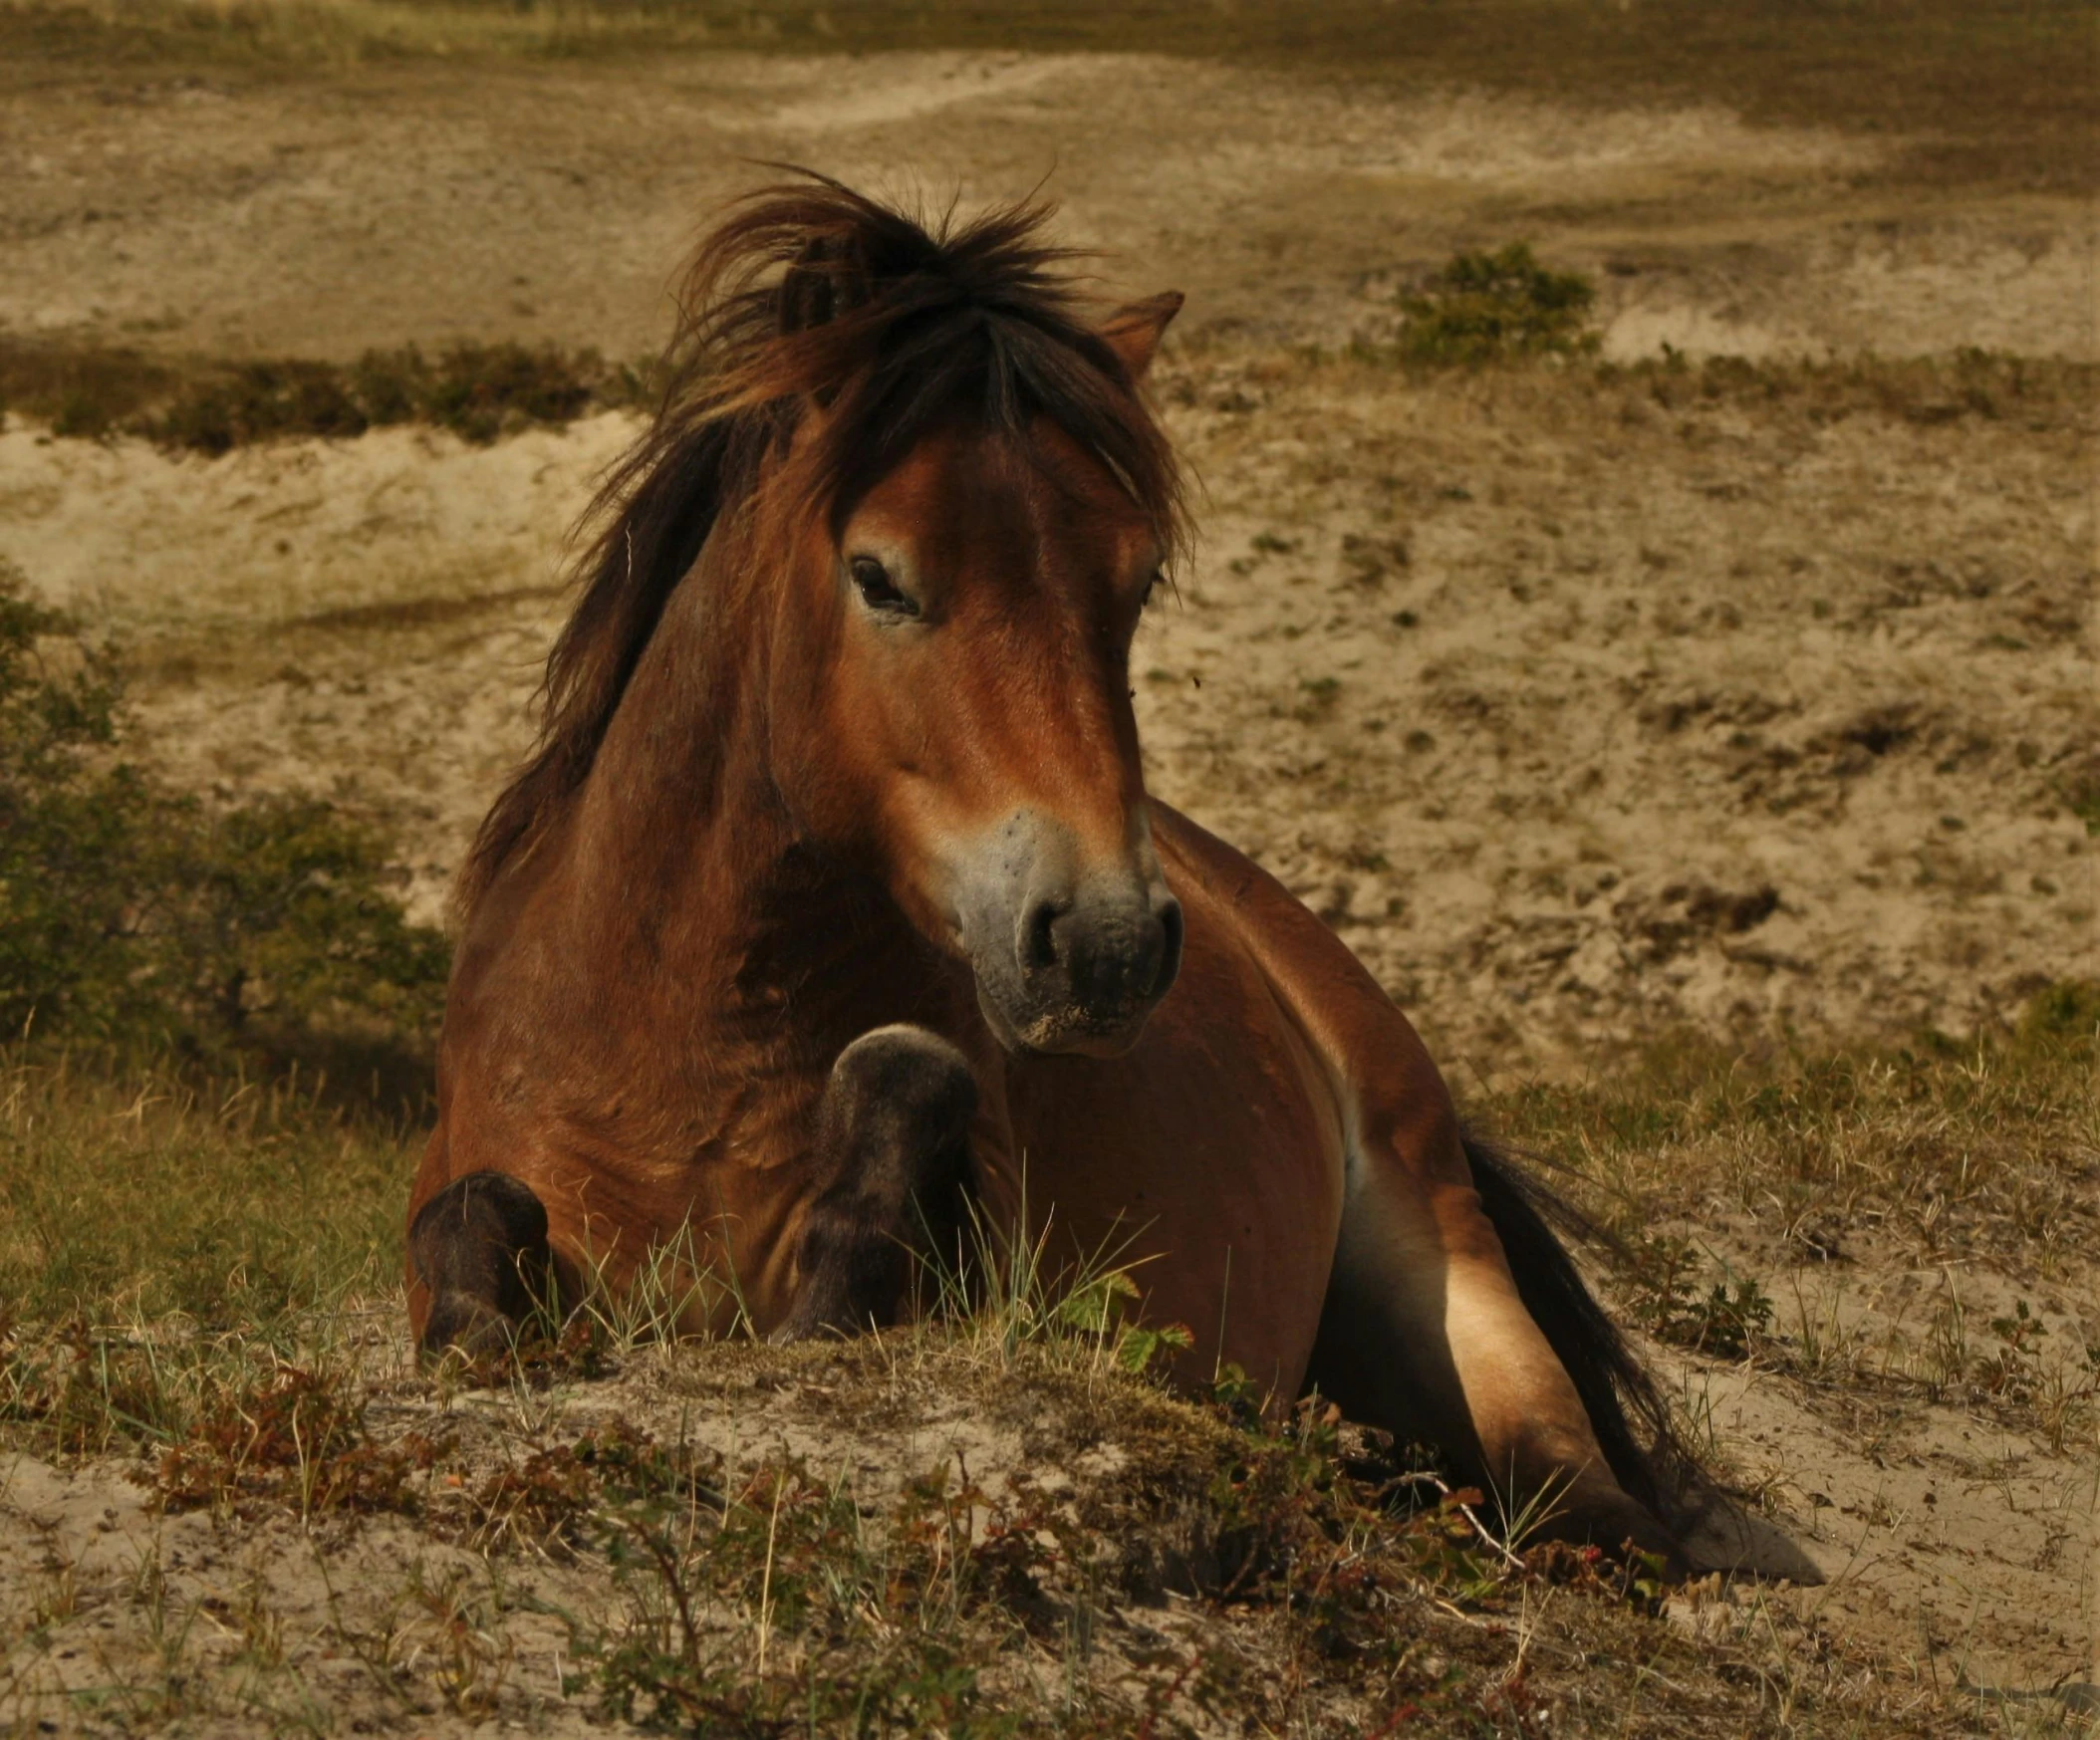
(896, 1113)
(892, 1150)
(479, 1247)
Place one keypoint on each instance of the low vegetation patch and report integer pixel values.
(164, 1246)
(477, 392)
(1925, 1156)
(1499, 306)
(1500, 309)
(1984, 1144)
(140, 918)
(1507, 309)
(1968, 384)
(726, 1537)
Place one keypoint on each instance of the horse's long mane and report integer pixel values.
(809, 295)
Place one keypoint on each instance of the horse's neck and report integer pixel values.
(689, 875)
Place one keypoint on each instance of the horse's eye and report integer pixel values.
(877, 591)
(1152, 586)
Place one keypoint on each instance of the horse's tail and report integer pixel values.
(1626, 1412)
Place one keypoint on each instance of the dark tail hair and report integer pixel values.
(1620, 1396)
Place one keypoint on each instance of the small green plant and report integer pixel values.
(478, 392)
(1501, 307)
(1097, 1307)
(2010, 1369)
(1726, 1321)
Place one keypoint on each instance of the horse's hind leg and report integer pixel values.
(480, 1248)
(1428, 1331)
(894, 1145)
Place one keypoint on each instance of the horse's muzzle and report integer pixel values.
(1069, 957)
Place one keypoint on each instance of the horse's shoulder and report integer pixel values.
(1224, 888)
(1233, 903)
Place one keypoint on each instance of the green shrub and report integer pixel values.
(478, 392)
(259, 400)
(138, 918)
(149, 1192)
(1484, 308)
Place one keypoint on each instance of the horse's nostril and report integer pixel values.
(1170, 947)
(1039, 945)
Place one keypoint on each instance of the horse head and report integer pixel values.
(911, 481)
(950, 696)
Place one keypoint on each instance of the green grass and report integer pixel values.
(140, 1196)
(162, 1246)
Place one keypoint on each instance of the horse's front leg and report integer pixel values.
(892, 1156)
(480, 1248)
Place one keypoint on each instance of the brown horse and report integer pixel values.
(832, 898)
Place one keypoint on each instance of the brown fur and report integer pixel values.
(768, 816)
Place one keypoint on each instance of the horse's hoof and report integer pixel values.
(1621, 1526)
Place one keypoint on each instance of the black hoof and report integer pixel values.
(480, 1247)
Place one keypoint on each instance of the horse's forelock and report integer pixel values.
(810, 293)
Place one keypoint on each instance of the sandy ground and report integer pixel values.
(390, 1620)
(1579, 718)
(351, 1614)
(268, 217)
(1577, 715)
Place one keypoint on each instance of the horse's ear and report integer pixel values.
(1134, 333)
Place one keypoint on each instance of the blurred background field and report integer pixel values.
(1645, 603)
